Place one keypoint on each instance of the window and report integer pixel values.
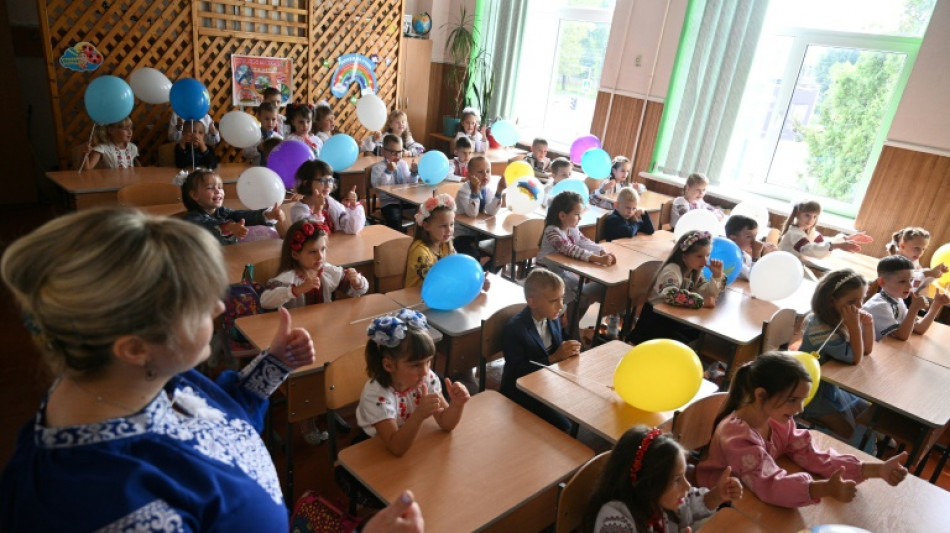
(823, 85)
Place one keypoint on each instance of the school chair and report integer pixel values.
(599, 230)
(666, 214)
(389, 265)
(592, 184)
(942, 446)
(693, 427)
(375, 212)
(266, 269)
(282, 227)
(166, 155)
(574, 495)
(774, 236)
(148, 193)
(638, 292)
(492, 339)
(525, 244)
(778, 331)
(344, 379)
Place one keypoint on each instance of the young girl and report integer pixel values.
(643, 488)
(433, 237)
(756, 427)
(911, 243)
(203, 195)
(403, 390)
(398, 124)
(176, 127)
(324, 121)
(680, 282)
(619, 172)
(468, 127)
(837, 318)
(693, 192)
(114, 146)
(192, 150)
(800, 237)
(315, 182)
(305, 277)
(300, 117)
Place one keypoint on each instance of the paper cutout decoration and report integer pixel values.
(83, 57)
(353, 68)
(374, 58)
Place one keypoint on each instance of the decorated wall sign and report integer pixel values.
(83, 57)
(250, 75)
(353, 68)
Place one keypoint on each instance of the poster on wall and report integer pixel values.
(350, 69)
(250, 75)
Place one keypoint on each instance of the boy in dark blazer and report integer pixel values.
(627, 219)
(534, 335)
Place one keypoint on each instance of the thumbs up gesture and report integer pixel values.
(840, 489)
(293, 346)
(728, 486)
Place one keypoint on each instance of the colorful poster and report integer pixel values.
(82, 57)
(353, 68)
(250, 75)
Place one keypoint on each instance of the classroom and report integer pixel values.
(473, 248)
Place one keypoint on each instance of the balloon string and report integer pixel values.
(192, 146)
(373, 317)
(830, 335)
(85, 156)
(568, 375)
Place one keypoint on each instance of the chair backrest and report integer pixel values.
(283, 226)
(693, 426)
(778, 331)
(774, 236)
(666, 213)
(525, 237)
(266, 269)
(149, 193)
(599, 231)
(389, 264)
(344, 378)
(492, 329)
(641, 282)
(166, 155)
(575, 494)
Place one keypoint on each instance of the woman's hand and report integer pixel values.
(292, 346)
(402, 516)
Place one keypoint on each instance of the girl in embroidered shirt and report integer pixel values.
(398, 124)
(756, 426)
(324, 121)
(911, 243)
(643, 487)
(403, 391)
(468, 127)
(114, 147)
(314, 181)
(301, 121)
(202, 194)
(800, 237)
(619, 173)
(693, 193)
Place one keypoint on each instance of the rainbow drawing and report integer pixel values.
(353, 68)
(530, 187)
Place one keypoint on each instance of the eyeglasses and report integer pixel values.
(326, 181)
(394, 152)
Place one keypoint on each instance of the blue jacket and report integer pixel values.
(521, 346)
(617, 227)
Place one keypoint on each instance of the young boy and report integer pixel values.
(538, 158)
(463, 153)
(560, 171)
(475, 196)
(534, 336)
(390, 171)
(891, 315)
(272, 95)
(192, 151)
(627, 219)
(742, 230)
(270, 123)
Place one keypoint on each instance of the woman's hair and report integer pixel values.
(102, 132)
(295, 110)
(694, 179)
(904, 235)
(806, 206)
(406, 134)
(309, 172)
(299, 234)
(85, 279)
(562, 203)
(641, 497)
(440, 203)
(194, 181)
(834, 284)
(775, 372)
(687, 243)
(417, 345)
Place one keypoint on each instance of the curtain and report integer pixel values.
(501, 28)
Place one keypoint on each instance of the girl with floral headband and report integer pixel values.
(643, 488)
(680, 282)
(403, 391)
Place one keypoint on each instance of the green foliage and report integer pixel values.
(580, 57)
(474, 84)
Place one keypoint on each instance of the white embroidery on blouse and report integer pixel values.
(154, 516)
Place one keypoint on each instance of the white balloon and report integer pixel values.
(753, 210)
(698, 219)
(260, 188)
(150, 85)
(240, 129)
(775, 276)
(523, 200)
(371, 112)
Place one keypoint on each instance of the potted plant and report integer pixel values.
(471, 80)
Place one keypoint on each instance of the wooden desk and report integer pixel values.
(730, 520)
(649, 200)
(415, 193)
(860, 263)
(497, 471)
(800, 301)
(590, 401)
(100, 186)
(932, 346)
(737, 317)
(499, 157)
(659, 245)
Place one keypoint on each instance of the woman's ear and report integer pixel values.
(131, 349)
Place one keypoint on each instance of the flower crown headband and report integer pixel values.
(389, 331)
(439, 200)
(642, 451)
(306, 231)
(692, 238)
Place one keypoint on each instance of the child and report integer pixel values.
(403, 390)
(561, 236)
(433, 238)
(560, 171)
(272, 96)
(743, 230)
(534, 336)
(619, 172)
(305, 277)
(266, 147)
(911, 243)
(756, 427)
(800, 237)
(627, 220)
(324, 121)
(398, 124)
(203, 195)
(314, 180)
(643, 487)
(475, 196)
(114, 147)
(301, 120)
(680, 282)
(463, 154)
(538, 158)
(191, 151)
(837, 318)
(468, 127)
(270, 121)
(390, 171)
(177, 125)
(693, 192)
(891, 315)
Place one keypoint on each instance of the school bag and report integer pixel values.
(243, 299)
(314, 513)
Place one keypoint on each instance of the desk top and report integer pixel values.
(736, 318)
(346, 250)
(362, 163)
(113, 179)
(730, 520)
(497, 226)
(860, 263)
(649, 200)
(616, 274)
(497, 458)
(590, 400)
(931, 346)
(659, 245)
(416, 193)
(800, 301)
(503, 155)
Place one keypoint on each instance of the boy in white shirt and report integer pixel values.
(891, 316)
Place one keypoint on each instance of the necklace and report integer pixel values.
(101, 399)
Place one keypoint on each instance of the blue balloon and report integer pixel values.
(190, 99)
(108, 99)
(452, 282)
(433, 167)
(596, 163)
(505, 133)
(729, 253)
(573, 185)
(340, 152)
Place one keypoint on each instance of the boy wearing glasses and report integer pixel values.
(392, 170)
(314, 180)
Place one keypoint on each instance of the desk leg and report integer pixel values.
(573, 329)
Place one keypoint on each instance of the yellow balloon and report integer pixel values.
(658, 375)
(942, 255)
(518, 169)
(810, 362)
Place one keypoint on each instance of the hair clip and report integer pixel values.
(642, 451)
(844, 280)
(389, 330)
(180, 178)
(426, 208)
(692, 238)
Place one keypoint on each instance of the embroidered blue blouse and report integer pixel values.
(191, 460)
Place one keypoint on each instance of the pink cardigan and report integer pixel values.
(753, 458)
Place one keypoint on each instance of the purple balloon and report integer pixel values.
(287, 157)
(581, 145)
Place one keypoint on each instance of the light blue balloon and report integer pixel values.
(596, 163)
(433, 167)
(190, 99)
(108, 99)
(340, 152)
(505, 133)
(729, 253)
(573, 185)
(452, 282)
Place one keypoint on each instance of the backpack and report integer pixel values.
(314, 513)
(243, 299)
